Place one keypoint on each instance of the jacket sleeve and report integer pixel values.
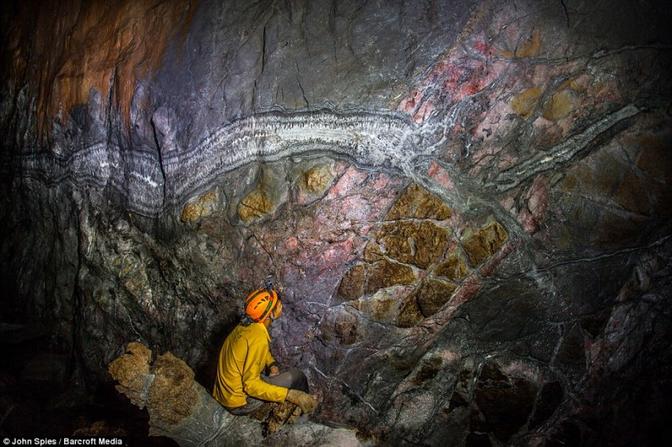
(269, 359)
(253, 385)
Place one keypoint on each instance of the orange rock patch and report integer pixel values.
(254, 205)
(201, 207)
(417, 202)
(528, 47)
(560, 105)
(525, 102)
(317, 179)
(97, 44)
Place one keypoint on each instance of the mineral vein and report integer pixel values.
(369, 138)
(154, 183)
(560, 154)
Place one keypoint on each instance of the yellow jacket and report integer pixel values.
(244, 355)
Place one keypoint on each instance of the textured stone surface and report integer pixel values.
(454, 267)
(317, 179)
(416, 202)
(254, 205)
(560, 105)
(409, 313)
(504, 404)
(525, 102)
(385, 274)
(203, 206)
(353, 282)
(432, 295)
(415, 243)
(464, 204)
(484, 242)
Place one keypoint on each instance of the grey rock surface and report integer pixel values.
(465, 205)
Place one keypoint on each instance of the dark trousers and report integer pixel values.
(293, 379)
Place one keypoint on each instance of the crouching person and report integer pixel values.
(247, 375)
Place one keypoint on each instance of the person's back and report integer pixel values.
(242, 359)
(245, 355)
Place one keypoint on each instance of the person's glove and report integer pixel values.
(306, 401)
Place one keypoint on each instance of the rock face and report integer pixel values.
(465, 206)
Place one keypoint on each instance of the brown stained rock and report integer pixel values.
(579, 84)
(598, 175)
(254, 205)
(525, 102)
(372, 252)
(415, 243)
(130, 370)
(409, 313)
(190, 213)
(172, 395)
(199, 208)
(483, 243)
(317, 179)
(345, 328)
(428, 369)
(382, 306)
(528, 47)
(280, 413)
(386, 274)
(453, 268)
(432, 295)
(560, 105)
(352, 284)
(417, 202)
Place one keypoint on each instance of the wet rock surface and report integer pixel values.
(465, 206)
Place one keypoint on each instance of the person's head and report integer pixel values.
(263, 306)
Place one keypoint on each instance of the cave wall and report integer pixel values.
(465, 204)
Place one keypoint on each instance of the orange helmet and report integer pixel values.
(261, 303)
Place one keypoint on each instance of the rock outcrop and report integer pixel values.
(181, 409)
